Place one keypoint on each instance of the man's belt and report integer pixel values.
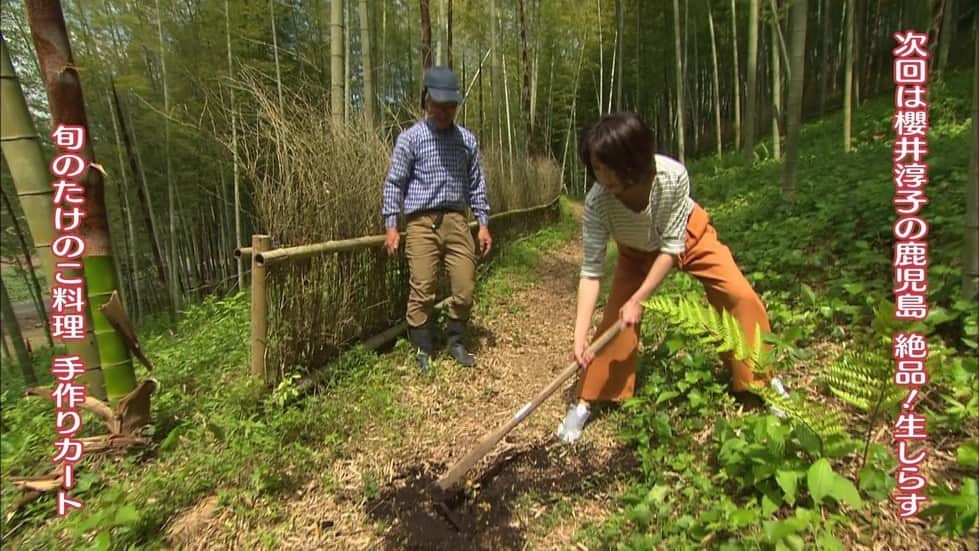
(439, 214)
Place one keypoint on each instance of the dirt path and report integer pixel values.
(527, 494)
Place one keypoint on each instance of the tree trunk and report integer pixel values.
(601, 61)
(25, 160)
(239, 238)
(857, 49)
(143, 193)
(690, 87)
(825, 72)
(872, 56)
(31, 273)
(494, 76)
(717, 82)
(619, 60)
(325, 53)
(426, 22)
(776, 86)
(947, 34)
(346, 63)
(534, 86)
(679, 80)
(737, 78)
(571, 115)
(639, 44)
(13, 329)
(970, 264)
(67, 105)
(525, 94)
(751, 105)
(127, 216)
(448, 34)
(549, 120)
(171, 192)
(848, 78)
(336, 57)
(479, 77)
(275, 53)
(128, 238)
(797, 70)
(365, 42)
(382, 74)
(7, 355)
(509, 124)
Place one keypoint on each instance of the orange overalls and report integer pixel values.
(611, 376)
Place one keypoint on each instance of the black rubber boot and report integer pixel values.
(455, 331)
(421, 339)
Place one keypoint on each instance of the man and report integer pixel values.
(642, 201)
(434, 177)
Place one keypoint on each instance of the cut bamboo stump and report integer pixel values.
(260, 306)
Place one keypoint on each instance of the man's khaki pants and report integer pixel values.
(425, 247)
(611, 375)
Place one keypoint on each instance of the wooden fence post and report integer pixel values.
(260, 243)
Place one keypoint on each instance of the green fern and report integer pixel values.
(827, 425)
(712, 327)
(723, 332)
(865, 381)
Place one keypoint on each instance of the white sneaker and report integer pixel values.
(776, 384)
(574, 422)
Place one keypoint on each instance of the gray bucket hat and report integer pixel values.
(442, 85)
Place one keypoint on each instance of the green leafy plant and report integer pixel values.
(957, 512)
(719, 329)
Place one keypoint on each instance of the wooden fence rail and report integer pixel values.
(263, 256)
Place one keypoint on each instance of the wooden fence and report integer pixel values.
(264, 257)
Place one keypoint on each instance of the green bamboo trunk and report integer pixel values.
(13, 328)
(67, 105)
(117, 364)
(25, 159)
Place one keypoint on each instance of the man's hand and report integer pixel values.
(391, 240)
(485, 240)
(631, 313)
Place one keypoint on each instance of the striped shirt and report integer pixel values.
(434, 169)
(660, 227)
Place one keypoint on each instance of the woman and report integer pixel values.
(642, 201)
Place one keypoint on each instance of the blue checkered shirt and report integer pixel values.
(435, 169)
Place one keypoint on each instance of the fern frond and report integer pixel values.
(864, 380)
(829, 425)
(721, 330)
(717, 328)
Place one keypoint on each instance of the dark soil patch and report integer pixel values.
(484, 514)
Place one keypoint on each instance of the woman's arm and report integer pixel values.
(588, 289)
(631, 311)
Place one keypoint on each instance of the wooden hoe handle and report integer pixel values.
(488, 441)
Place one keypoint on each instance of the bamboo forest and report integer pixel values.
(489, 274)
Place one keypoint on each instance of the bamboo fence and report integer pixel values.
(266, 258)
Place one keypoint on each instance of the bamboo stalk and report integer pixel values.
(259, 325)
(277, 256)
(36, 292)
(173, 278)
(142, 190)
(13, 329)
(29, 169)
(128, 236)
